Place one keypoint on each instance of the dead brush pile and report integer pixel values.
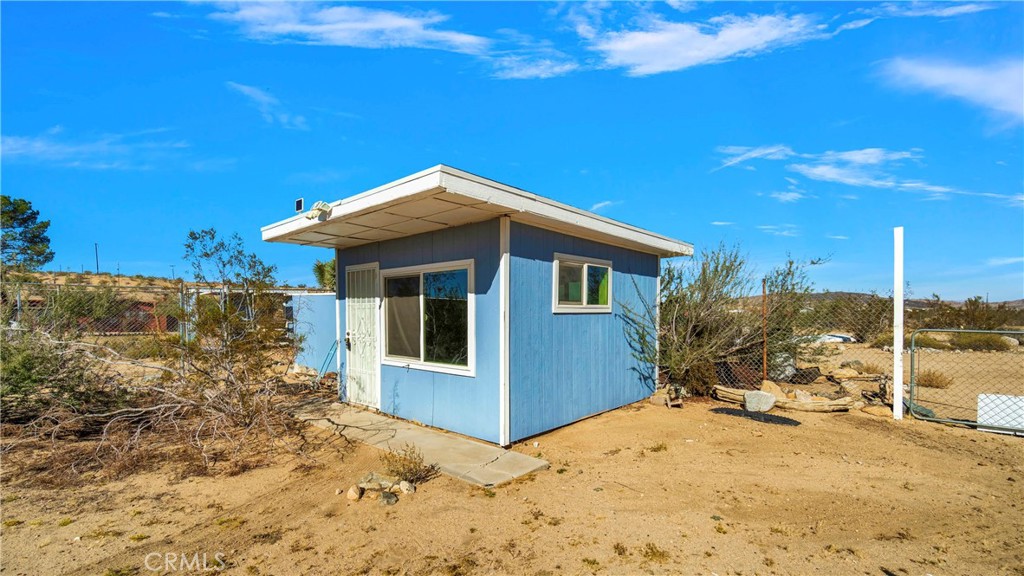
(214, 401)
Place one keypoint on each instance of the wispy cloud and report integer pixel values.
(934, 9)
(790, 196)
(512, 55)
(1005, 261)
(658, 45)
(270, 107)
(837, 237)
(353, 26)
(997, 87)
(128, 151)
(740, 154)
(722, 223)
(864, 168)
(519, 67)
(603, 204)
(786, 230)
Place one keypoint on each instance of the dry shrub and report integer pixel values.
(407, 464)
(700, 378)
(871, 368)
(979, 342)
(932, 379)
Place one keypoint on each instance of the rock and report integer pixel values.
(354, 493)
(1011, 341)
(773, 389)
(821, 380)
(407, 487)
(338, 492)
(757, 401)
(374, 481)
(855, 364)
(877, 410)
(806, 375)
(819, 399)
(858, 405)
(802, 396)
(850, 388)
(784, 367)
(372, 494)
(388, 499)
(845, 373)
(791, 395)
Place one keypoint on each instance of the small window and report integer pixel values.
(428, 316)
(582, 284)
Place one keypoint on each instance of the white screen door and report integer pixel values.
(361, 301)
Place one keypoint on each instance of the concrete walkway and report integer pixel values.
(458, 457)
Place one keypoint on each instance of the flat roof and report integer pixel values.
(443, 197)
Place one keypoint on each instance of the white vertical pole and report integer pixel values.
(897, 324)
(504, 411)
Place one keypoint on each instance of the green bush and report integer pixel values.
(699, 379)
(974, 341)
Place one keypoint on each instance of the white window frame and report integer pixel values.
(403, 362)
(579, 308)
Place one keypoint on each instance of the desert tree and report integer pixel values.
(24, 243)
(709, 313)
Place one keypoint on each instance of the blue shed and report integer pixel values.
(480, 308)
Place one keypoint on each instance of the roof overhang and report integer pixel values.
(443, 197)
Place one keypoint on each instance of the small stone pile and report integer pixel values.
(375, 486)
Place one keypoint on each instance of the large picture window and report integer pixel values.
(581, 284)
(428, 316)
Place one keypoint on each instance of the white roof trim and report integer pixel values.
(489, 197)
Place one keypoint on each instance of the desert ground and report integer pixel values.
(640, 490)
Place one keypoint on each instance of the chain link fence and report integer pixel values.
(968, 377)
(825, 345)
(135, 321)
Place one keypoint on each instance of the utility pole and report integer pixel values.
(97, 247)
(172, 271)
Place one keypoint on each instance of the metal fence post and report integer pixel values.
(897, 324)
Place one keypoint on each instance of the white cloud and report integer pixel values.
(602, 205)
(790, 196)
(721, 223)
(870, 155)
(741, 154)
(517, 67)
(837, 237)
(863, 168)
(270, 107)
(998, 87)
(786, 230)
(1005, 261)
(130, 151)
(935, 9)
(353, 26)
(661, 46)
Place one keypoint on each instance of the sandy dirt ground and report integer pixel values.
(640, 490)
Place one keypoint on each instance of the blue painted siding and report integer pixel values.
(314, 322)
(462, 404)
(564, 367)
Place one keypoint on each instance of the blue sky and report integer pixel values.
(805, 129)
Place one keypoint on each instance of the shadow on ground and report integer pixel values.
(757, 416)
